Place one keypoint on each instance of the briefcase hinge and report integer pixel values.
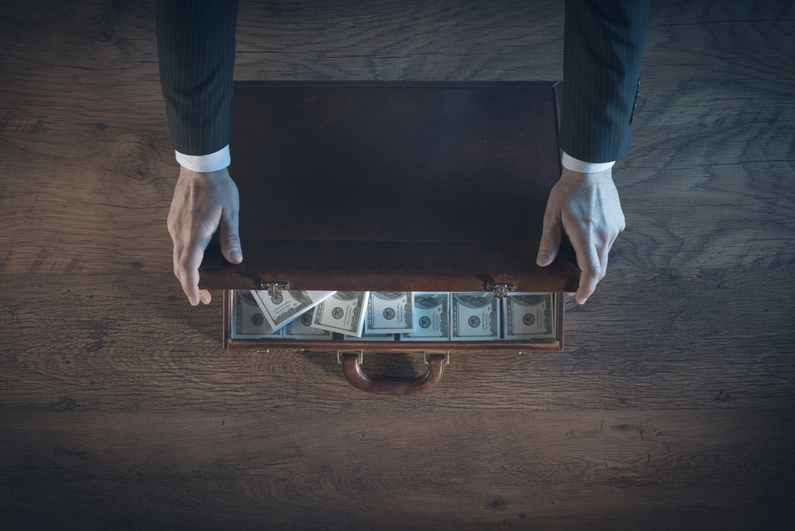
(499, 289)
(274, 288)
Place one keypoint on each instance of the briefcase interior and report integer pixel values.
(436, 187)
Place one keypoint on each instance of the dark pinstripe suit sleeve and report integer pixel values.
(603, 48)
(196, 52)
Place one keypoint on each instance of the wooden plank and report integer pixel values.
(119, 165)
(671, 407)
(351, 470)
(670, 339)
(709, 209)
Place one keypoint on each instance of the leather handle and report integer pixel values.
(393, 386)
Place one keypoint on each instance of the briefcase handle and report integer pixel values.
(392, 386)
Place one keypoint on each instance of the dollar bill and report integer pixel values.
(474, 317)
(289, 304)
(343, 312)
(431, 317)
(248, 320)
(301, 328)
(389, 311)
(370, 337)
(529, 316)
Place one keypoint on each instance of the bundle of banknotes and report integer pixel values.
(393, 316)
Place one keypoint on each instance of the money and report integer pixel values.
(529, 316)
(247, 318)
(431, 317)
(343, 312)
(370, 337)
(474, 316)
(389, 311)
(301, 328)
(282, 308)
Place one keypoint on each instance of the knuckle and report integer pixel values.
(592, 272)
(202, 226)
(172, 228)
(231, 240)
(548, 240)
(183, 268)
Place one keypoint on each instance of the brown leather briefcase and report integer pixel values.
(437, 187)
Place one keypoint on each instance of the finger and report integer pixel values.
(603, 262)
(205, 296)
(188, 267)
(604, 254)
(230, 240)
(550, 238)
(175, 257)
(590, 271)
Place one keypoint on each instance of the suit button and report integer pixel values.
(631, 118)
(634, 105)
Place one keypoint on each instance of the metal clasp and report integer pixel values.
(499, 289)
(359, 354)
(431, 352)
(274, 288)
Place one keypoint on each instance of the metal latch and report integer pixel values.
(274, 288)
(499, 289)
(446, 354)
(359, 354)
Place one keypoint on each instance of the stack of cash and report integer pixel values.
(393, 316)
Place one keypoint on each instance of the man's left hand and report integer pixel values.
(586, 206)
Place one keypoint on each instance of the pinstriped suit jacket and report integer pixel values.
(603, 46)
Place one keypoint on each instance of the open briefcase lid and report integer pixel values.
(393, 187)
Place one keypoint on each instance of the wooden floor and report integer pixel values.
(672, 407)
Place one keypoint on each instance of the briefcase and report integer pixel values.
(393, 187)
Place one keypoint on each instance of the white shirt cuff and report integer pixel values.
(580, 166)
(205, 163)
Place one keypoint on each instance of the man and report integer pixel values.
(603, 47)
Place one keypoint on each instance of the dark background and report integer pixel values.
(671, 407)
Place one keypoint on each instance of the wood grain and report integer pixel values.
(667, 339)
(709, 134)
(449, 469)
(671, 407)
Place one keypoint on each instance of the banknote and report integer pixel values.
(389, 311)
(247, 318)
(529, 316)
(343, 312)
(282, 308)
(370, 337)
(301, 328)
(431, 317)
(474, 316)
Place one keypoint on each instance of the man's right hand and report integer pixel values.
(202, 202)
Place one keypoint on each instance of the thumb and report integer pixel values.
(230, 240)
(550, 240)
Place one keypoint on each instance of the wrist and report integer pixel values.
(587, 177)
(206, 176)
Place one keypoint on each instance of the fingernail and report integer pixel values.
(236, 254)
(582, 301)
(542, 258)
(193, 302)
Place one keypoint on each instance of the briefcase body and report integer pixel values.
(422, 187)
